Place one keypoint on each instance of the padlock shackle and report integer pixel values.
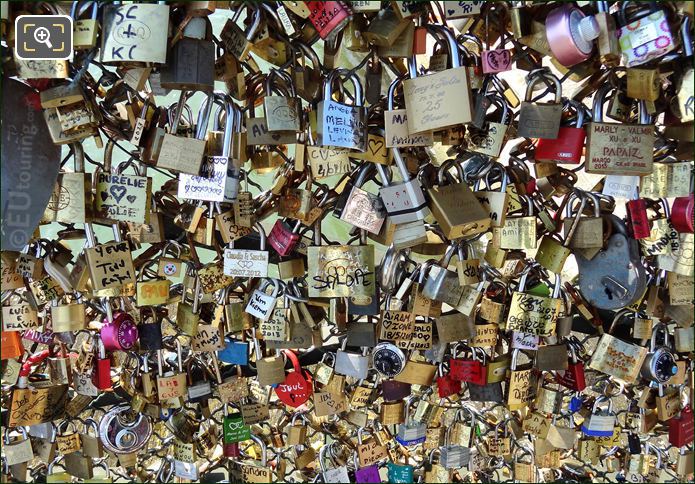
(336, 75)
(538, 75)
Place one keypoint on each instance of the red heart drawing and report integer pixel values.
(296, 389)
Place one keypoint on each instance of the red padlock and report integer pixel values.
(420, 41)
(682, 215)
(573, 377)
(639, 220)
(569, 145)
(681, 429)
(102, 372)
(283, 238)
(328, 17)
(446, 385)
(297, 388)
(468, 370)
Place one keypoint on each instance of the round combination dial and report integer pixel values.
(389, 360)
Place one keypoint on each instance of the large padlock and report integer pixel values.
(341, 125)
(540, 120)
(568, 147)
(191, 65)
(624, 283)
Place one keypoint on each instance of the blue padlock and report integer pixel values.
(400, 472)
(234, 352)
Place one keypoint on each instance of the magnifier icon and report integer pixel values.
(43, 36)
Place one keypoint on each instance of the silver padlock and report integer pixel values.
(355, 365)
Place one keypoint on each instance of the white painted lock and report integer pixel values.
(260, 303)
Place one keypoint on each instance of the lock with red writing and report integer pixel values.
(328, 17)
(297, 387)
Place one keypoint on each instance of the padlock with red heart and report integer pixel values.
(297, 387)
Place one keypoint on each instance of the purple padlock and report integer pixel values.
(367, 474)
(120, 333)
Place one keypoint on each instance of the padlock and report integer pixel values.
(637, 216)
(85, 31)
(335, 474)
(119, 331)
(271, 369)
(296, 389)
(171, 385)
(587, 236)
(644, 36)
(601, 422)
(497, 60)
(660, 364)
(471, 370)
(410, 433)
(453, 456)
(91, 444)
(141, 47)
(233, 431)
(328, 17)
(102, 371)
(573, 377)
(341, 125)
(490, 138)
(680, 429)
(218, 180)
(284, 238)
(198, 390)
(568, 147)
(571, 34)
(446, 384)
(297, 432)
(191, 59)
(494, 201)
(181, 154)
(618, 149)
(683, 215)
(455, 91)
(282, 111)
(627, 280)
(540, 120)
(351, 364)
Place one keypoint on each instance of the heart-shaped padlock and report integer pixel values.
(297, 388)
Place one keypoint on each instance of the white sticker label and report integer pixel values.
(621, 186)
(245, 263)
(644, 34)
(210, 185)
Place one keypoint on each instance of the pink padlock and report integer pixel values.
(495, 60)
(282, 238)
(328, 17)
(571, 34)
(119, 331)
